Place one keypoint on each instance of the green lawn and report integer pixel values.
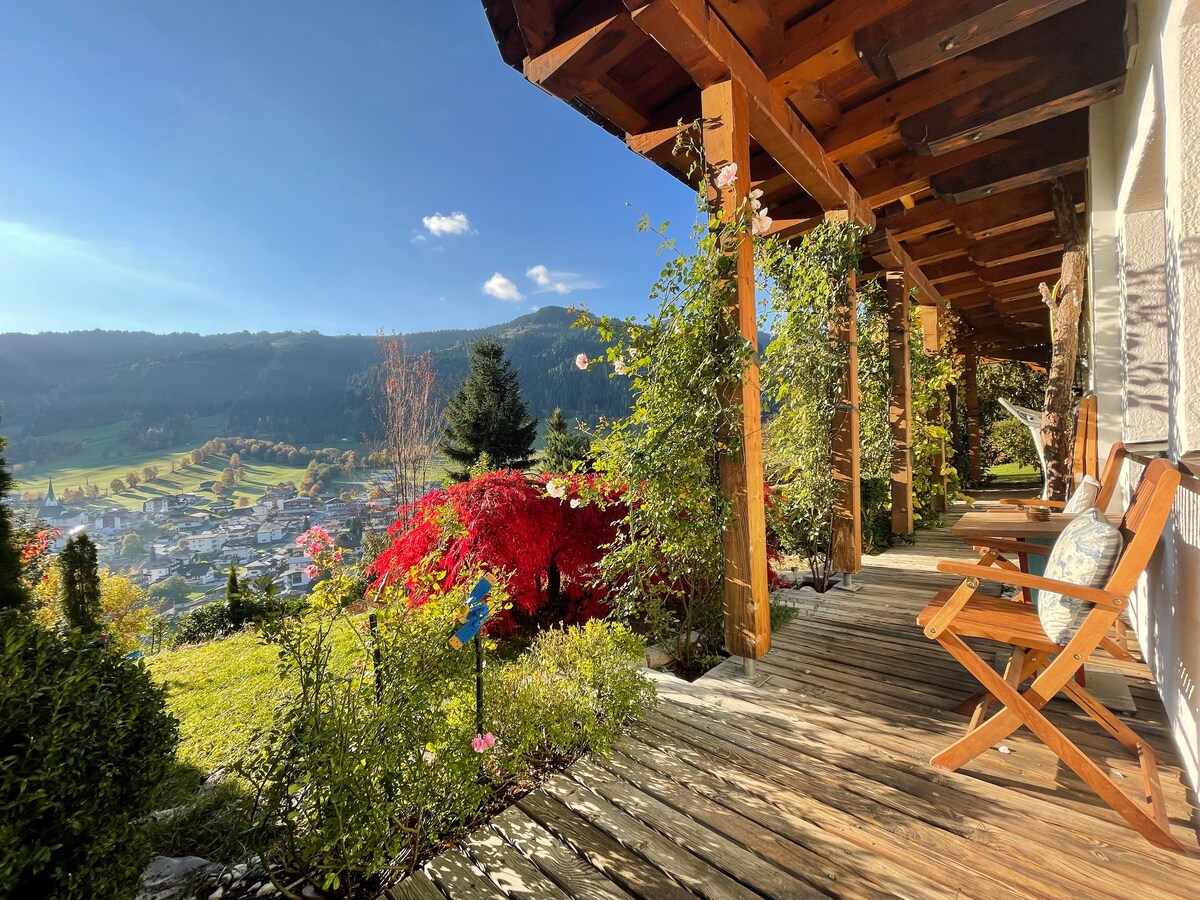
(224, 690)
(1012, 473)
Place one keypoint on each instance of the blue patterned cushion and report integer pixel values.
(1085, 553)
(1084, 497)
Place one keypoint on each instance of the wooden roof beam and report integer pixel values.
(939, 248)
(1086, 64)
(924, 218)
(1024, 270)
(933, 31)
(705, 47)
(752, 21)
(1042, 152)
(889, 253)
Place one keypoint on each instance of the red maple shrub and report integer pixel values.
(545, 548)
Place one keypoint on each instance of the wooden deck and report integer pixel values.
(814, 780)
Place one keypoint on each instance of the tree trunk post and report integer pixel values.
(900, 407)
(1065, 301)
(724, 106)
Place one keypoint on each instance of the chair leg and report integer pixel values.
(1033, 661)
(1018, 707)
(1103, 716)
(1012, 674)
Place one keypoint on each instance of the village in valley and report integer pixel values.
(181, 547)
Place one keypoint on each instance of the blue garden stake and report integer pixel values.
(478, 611)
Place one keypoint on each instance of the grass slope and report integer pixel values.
(91, 466)
(224, 691)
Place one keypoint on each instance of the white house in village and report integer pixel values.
(269, 533)
(1144, 200)
(204, 542)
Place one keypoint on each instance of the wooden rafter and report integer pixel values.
(703, 45)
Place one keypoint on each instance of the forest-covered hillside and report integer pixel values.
(297, 387)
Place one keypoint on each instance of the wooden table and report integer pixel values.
(1014, 524)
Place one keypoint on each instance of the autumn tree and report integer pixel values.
(488, 415)
(132, 545)
(117, 486)
(132, 479)
(407, 411)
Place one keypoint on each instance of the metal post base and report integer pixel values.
(749, 667)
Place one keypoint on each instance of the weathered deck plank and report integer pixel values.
(813, 779)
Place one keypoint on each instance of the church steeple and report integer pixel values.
(50, 499)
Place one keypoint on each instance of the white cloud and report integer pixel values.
(455, 223)
(418, 239)
(502, 289)
(559, 282)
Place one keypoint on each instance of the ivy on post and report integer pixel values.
(971, 387)
(931, 332)
(900, 413)
(747, 601)
(847, 522)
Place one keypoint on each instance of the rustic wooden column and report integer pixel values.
(747, 600)
(847, 522)
(900, 407)
(971, 386)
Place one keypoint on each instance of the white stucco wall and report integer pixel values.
(1145, 233)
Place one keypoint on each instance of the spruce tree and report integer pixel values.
(79, 596)
(233, 597)
(488, 415)
(567, 450)
(12, 591)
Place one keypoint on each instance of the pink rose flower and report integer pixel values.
(482, 742)
(312, 571)
(726, 176)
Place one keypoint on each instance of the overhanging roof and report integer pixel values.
(936, 122)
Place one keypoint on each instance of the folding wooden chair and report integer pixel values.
(961, 613)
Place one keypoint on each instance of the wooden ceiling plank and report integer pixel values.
(589, 42)
(535, 20)
(1010, 211)
(708, 50)
(939, 248)
(924, 218)
(752, 21)
(933, 31)
(1042, 152)
(823, 43)
(949, 270)
(909, 172)
(1023, 270)
(1087, 64)
(1017, 245)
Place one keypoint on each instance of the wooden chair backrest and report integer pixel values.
(1086, 457)
(1111, 477)
(1143, 524)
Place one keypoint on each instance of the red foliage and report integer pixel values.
(512, 527)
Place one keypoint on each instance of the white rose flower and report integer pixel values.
(726, 176)
(556, 489)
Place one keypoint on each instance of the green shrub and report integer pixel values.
(356, 787)
(571, 691)
(85, 740)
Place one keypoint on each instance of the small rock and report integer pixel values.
(173, 878)
(1003, 748)
(311, 892)
(217, 894)
(266, 890)
(238, 872)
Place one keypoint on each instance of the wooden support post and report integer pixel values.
(900, 408)
(847, 522)
(747, 599)
(971, 386)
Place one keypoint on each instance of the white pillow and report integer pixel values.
(1085, 554)
(1084, 497)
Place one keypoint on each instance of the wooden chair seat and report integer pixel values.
(994, 618)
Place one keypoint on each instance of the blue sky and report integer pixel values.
(353, 167)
